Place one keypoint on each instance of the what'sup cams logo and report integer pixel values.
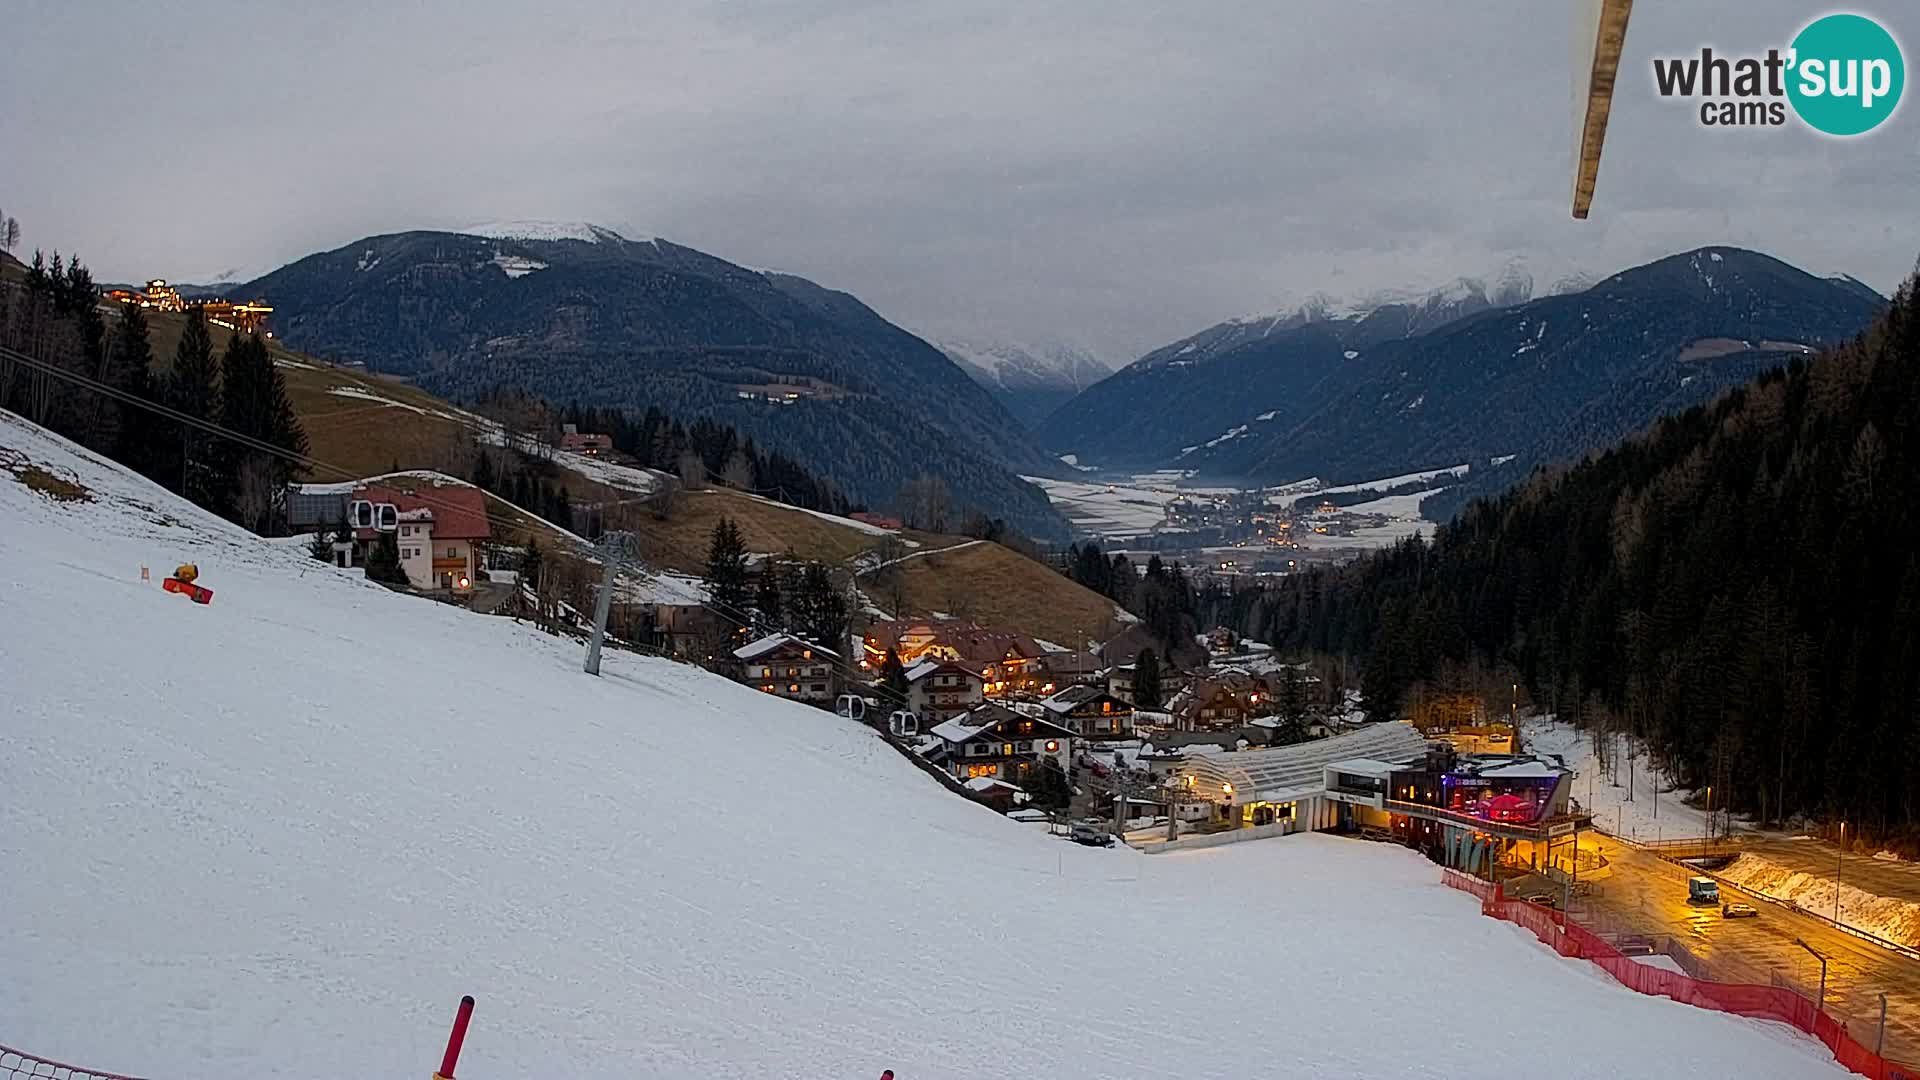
(1842, 76)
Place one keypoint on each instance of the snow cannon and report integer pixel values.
(182, 582)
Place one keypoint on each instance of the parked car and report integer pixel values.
(1093, 834)
(1738, 910)
(1635, 945)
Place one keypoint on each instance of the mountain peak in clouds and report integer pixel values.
(1031, 379)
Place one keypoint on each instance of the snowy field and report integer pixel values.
(1605, 794)
(280, 835)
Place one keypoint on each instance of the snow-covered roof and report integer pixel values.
(1523, 770)
(1371, 767)
(988, 783)
(986, 718)
(755, 649)
(1292, 772)
(927, 667)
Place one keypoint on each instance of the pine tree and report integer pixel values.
(144, 441)
(1147, 691)
(563, 508)
(530, 563)
(254, 402)
(1292, 707)
(383, 562)
(893, 674)
(825, 618)
(193, 389)
(768, 606)
(727, 572)
(483, 471)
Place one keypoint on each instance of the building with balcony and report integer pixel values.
(788, 667)
(995, 742)
(939, 690)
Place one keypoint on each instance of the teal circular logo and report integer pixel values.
(1846, 74)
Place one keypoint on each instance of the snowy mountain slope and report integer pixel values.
(1031, 380)
(281, 834)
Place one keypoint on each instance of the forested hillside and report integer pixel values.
(632, 324)
(1740, 585)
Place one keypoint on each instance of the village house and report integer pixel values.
(1090, 713)
(439, 530)
(995, 742)
(1009, 663)
(1120, 681)
(786, 666)
(439, 525)
(878, 521)
(573, 440)
(1075, 667)
(939, 690)
(1219, 701)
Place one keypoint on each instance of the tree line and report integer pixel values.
(793, 596)
(1162, 595)
(699, 453)
(53, 316)
(1738, 586)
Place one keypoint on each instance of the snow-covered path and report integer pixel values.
(280, 835)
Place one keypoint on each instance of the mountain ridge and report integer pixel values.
(1487, 382)
(582, 313)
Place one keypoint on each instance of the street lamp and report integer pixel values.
(1838, 857)
(1823, 972)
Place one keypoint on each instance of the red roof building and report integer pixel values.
(437, 528)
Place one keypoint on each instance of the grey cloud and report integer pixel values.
(1115, 174)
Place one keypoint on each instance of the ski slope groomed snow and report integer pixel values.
(280, 835)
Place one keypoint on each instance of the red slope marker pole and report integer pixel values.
(454, 1040)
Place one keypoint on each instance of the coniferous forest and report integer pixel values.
(1739, 586)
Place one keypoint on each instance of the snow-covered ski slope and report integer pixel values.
(280, 835)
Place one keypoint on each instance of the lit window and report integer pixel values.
(1006, 749)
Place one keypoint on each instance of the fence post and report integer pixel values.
(457, 1037)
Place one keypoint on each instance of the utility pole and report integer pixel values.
(1838, 857)
(1880, 1044)
(613, 546)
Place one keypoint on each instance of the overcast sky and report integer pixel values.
(1112, 173)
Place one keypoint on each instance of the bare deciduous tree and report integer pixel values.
(693, 471)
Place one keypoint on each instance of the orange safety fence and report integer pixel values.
(1570, 939)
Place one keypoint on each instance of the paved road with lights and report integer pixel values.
(1646, 894)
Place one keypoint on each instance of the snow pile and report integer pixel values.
(1892, 919)
(278, 836)
(1605, 795)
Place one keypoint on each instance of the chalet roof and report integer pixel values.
(753, 650)
(1074, 696)
(987, 719)
(975, 644)
(458, 511)
(930, 667)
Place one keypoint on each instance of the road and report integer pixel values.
(1646, 894)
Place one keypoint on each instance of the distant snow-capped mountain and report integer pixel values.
(1366, 319)
(1031, 380)
(549, 231)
